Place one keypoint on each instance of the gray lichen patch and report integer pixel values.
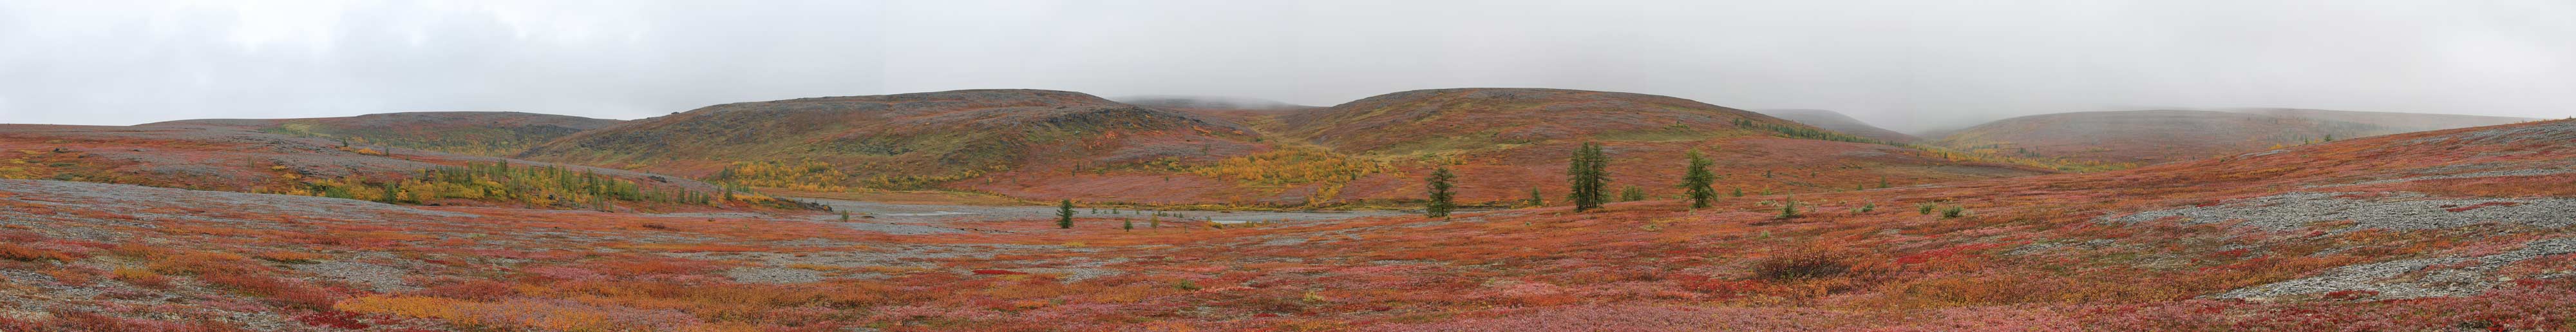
(2400, 211)
(2412, 278)
(772, 275)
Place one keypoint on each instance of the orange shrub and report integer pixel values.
(141, 277)
(204, 262)
(289, 292)
(21, 253)
(70, 275)
(137, 250)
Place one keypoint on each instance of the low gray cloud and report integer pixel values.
(1907, 65)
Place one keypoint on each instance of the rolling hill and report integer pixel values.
(2130, 138)
(907, 141)
(1505, 142)
(2405, 122)
(1836, 121)
(2149, 137)
(491, 134)
(243, 158)
(1051, 145)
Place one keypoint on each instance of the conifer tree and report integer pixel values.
(1064, 214)
(1440, 195)
(1789, 210)
(1537, 199)
(1698, 183)
(1131, 225)
(1588, 175)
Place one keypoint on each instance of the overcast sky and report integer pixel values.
(1907, 65)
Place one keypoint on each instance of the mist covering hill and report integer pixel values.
(1836, 121)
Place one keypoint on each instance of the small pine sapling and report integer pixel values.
(1789, 210)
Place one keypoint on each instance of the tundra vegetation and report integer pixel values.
(2446, 230)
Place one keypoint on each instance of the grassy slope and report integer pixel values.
(1507, 141)
(1051, 145)
(239, 159)
(2410, 122)
(1030, 144)
(2132, 138)
(490, 134)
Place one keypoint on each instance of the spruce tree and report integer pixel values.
(1588, 175)
(1789, 210)
(1440, 195)
(1698, 183)
(1064, 214)
(1131, 225)
(1537, 199)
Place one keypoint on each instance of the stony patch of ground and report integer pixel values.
(2400, 211)
(773, 275)
(2412, 278)
(379, 277)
